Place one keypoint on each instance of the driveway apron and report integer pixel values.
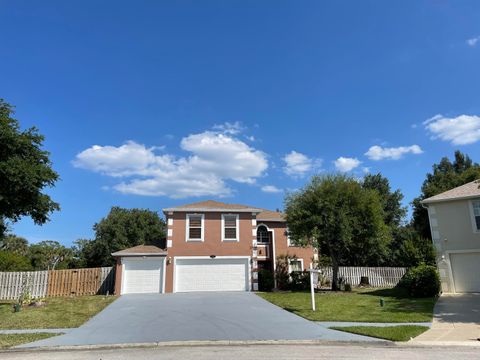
(456, 318)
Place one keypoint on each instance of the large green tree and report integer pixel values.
(393, 210)
(50, 255)
(15, 244)
(10, 261)
(25, 171)
(121, 229)
(340, 217)
(446, 175)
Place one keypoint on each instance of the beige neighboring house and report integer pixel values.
(455, 226)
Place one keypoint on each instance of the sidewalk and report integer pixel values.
(33, 331)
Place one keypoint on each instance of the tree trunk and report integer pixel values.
(334, 273)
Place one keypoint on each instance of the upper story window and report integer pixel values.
(230, 227)
(195, 225)
(262, 235)
(476, 214)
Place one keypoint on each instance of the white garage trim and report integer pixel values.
(163, 269)
(248, 264)
(449, 263)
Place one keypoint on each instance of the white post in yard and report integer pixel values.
(313, 280)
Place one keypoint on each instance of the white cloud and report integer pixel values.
(345, 164)
(460, 130)
(393, 153)
(271, 189)
(473, 41)
(215, 158)
(298, 164)
(229, 128)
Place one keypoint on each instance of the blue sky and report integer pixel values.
(147, 104)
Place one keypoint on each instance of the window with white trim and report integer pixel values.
(262, 235)
(295, 265)
(476, 214)
(194, 227)
(230, 227)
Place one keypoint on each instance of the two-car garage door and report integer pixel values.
(211, 274)
(466, 271)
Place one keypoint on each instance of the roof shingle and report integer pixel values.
(466, 191)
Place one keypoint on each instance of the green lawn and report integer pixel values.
(9, 340)
(358, 305)
(393, 333)
(62, 312)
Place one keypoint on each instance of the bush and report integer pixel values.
(299, 281)
(281, 273)
(265, 280)
(421, 281)
(9, 261)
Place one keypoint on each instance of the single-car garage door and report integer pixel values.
(466, 271)
(217, 274)
(142, 275)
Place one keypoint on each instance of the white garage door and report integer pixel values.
(218, 274)
(142, 275)
(466, 272)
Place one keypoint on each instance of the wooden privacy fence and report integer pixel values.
(71, 282)
(377, 276)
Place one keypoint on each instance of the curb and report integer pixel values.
(201, 343)
(472, 343)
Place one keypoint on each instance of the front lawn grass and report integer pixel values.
(9, 340)
(393, 333)
(61, 312)
(358, 305)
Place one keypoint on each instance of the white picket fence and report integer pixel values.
(12, 284)
(377, 276)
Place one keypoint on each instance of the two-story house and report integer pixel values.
(210, 246)
(454, 218)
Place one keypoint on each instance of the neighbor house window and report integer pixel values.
(476, 214)
(230, 227)
(289, 241)
(295, 265)
(262, 235)
(194, 227)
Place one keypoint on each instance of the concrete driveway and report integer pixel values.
(456, 318)
(194, 316)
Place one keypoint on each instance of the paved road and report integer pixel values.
(194, 316)
(455, 318)
(267, 352)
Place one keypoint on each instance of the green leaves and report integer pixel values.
(342, 218)
(25, 170)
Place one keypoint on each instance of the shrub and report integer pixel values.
(265, 280)
(421, 281)
(281, 273)
(348, 287)
(299, 280)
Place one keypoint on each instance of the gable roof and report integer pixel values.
(141, 250)
(466, 191)
(213, 206)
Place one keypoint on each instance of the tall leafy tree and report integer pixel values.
(10, 261)
(50, 255)
(446, 175)
(394, 212)
(341, 218)
(25, 171)
(15, 244)
(120, 229)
